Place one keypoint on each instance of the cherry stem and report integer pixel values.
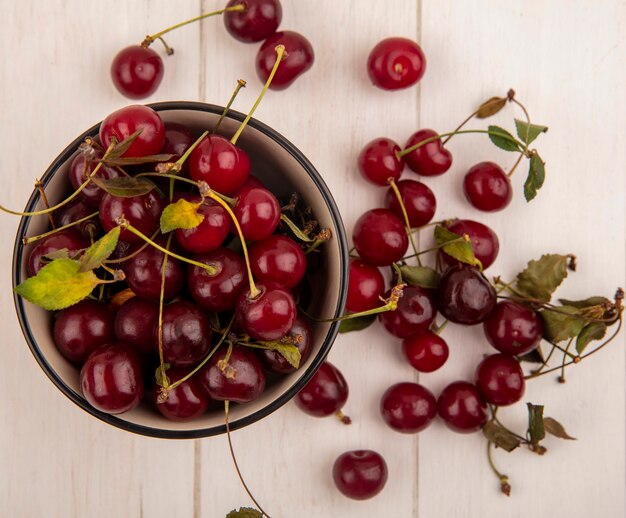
(42, 193)
(439, 329)
(469, 118)
(179, 163)
(406, 151)
(390, 305)
(168, 50)
(136, 252)
(437, 247)
(343, 417)
(125, 225)
(524, 152)
(160, 321)
(150, 39)
(299, 233)
(566, 353)
(240, 84)
(407, 224)
(321, 238)
(232, 455)
(32, 239)
(505, 487)
(517, 162)
(280, 51)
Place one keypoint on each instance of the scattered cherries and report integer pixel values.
(396, 63)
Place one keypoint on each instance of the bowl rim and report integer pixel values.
(273, 405)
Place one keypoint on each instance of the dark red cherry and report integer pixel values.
(252, 181)
(360, 474)
(221, 164)
(500, 380)
(219, 291)
(242, 380)
(278, 259)
(82, 166)
(461, 407)
(484, 241)
(111, 379)
(431, 159)
(268, 316)
(303, 335)
(365, 287)
(464, 295)
(487, 187)
(419, 202)
(513, 328)
(414, 314)
(68, 239)
(212, 231)
(260, 19)
(126, 121)
(380, 237)
(396, 63)
(378, 161)
(142, 212)
(408, 407)
(82, 328)
(186, 334)
(74, 211)
(258, 213)
(137, 71)
(325, 393)
(143, 274)
(134, 324)
(425, 351)
(184, 402)
(300, 57)
(178, 139)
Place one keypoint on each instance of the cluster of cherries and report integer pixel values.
(116, 339)
(137, 70)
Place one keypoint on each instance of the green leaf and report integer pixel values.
(553, 427)
(455, 246)
(534, 356)
(161, 378)
(495, 135)
(97, 253)
(136, 160)
(58, 285)
(62, 253)
(561, 324)
(356, 323)
(542, 277)
(536, 430)
(296, 230)
(422, 276)
(535, 178)
(289, 352)
(121, 147)
(244, 512)
(182, 214)
(528, 132)
(592, 331)
(124, 186)
(586, 303)
(500, 436)
(490, 107)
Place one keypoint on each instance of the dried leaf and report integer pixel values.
(422, 276)
(58, 285)
(586, 303)
(121, 147)
(500, 436)
(100, 251)
(296, 230)
(534, 356)
(542, 277)
(561, 323)
(490, 107)
(182, 214)
(528, 132)
(536, 430)
(244, 512)
(356, 324)
(496, 136)
(592, 331)
(535, 178)
(136, 160)
(553, 427)
(455, 246)
(124, 186)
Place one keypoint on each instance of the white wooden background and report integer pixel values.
(566, 59)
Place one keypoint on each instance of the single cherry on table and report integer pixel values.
(462, 408)
(431, 159)
(360, 474)
(408, 407)
(378, 162)
(325, 394)
(258, 21)
(380, 237)
(299, 58)
(396, 63)
(487, 187)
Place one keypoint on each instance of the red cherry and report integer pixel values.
(419, 202)
(378, 161)
(431, 159)
(299, 58)
(360, 474)
(425, 351)
(465, 296)
(278, 259)
(72, 212)
(137, 71)
(81, 168)
(184, 402)
(111, 379)
(221, 164)
(500, 380)
(414, 314)
(513, 328)
(325, 393)
(68, 239)
(268, 316)
(408, 407)
(178, 139)
(258, 213)
(144, 272)
(275, 362)
(484, 241)
(142, 212)
(259, 20)
(212, 231)
(365, 287)
(487, 187)
(461, 407)
(134, 324)
(126, 121)
(380, 237)
(396, 63)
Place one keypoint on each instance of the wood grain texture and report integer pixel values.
(566, 60)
